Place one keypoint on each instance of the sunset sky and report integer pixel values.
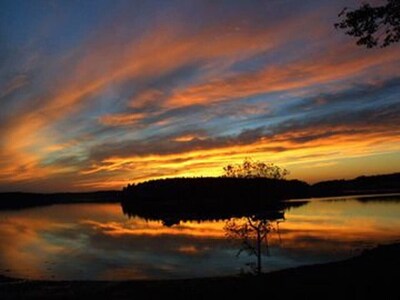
(98, 94)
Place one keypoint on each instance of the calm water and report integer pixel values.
(97, 241)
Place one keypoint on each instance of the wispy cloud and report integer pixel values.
(157, 90)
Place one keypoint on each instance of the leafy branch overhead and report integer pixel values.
(255, 169)
(373, 26)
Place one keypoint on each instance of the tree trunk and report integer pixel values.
(258, 253)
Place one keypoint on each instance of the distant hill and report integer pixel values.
(22, 200)
(377, 184)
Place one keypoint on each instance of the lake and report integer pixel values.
(99, 242)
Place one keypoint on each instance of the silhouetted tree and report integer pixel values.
(255, 169)
(373, 26)
(213, 194)
(253, 233)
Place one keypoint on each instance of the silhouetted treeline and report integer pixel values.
(22, 200)
(212, 197)
(377, 184)
(231, 190)
(212, 193)
(224, 197)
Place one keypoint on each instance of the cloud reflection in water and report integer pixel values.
(96, 241)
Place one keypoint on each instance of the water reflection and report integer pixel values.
(172, 215)
(97, 241)
(253, 234)
(249, 226)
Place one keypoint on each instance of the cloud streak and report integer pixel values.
(134, 93)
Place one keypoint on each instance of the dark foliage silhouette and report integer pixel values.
(218, 198)
(255, 169)
(373, 26)
(212, 195)
(171, 215)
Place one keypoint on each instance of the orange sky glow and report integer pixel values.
(125, 95)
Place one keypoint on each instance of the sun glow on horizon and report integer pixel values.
(99, 95)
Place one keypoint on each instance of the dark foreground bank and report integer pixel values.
(372, 275)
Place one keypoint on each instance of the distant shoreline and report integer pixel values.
(19, 200)
(222, 196)
(344, 197)
(373, 273)
(285, 190)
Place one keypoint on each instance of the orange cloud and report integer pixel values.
(209, 229)
(301, 74)
(97, 66)
(209, 162)
(104, 62)
(121, 119)
(187, 138)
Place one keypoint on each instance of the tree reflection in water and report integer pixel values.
(248, 225)
(252, 232)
